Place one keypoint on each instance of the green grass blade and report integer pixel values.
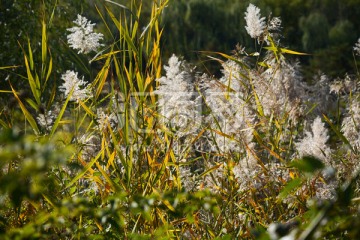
(32, 82)
(61, 113)
(26, 113)
(338, 133)
(85, 170)
(31, 59)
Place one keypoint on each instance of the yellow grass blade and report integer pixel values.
(87, 110)
(35, 88)
(43, 43)
(85, 170)
(6, 67)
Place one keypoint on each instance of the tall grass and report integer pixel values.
(139, 149)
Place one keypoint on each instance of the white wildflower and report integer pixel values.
(71, 81)
(275, 24)
(90, 145)
(178, 99)
(336, 87)
(282, 231)
(280, 89)
(357, 47)
(245, 172)
(46, 120)
(314, 143)
(231, 119)
(343, 86)
(104, 120)
(232, 77)
(350, 124)
(188, 179)
(319, 94)
(255, 25)
(82, 37)
(326, 191)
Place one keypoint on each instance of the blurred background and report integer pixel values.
(326, 29)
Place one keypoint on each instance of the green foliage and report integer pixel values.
(315, 28)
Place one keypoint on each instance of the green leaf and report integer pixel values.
(26, 113)
(32, 82)
(61, 113)
(264, 64)
(308, 164)
(338, 133)
(290, 187)
(85, 170)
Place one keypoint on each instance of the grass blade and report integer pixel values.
(26, 113)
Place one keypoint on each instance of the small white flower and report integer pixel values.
(89, 144)
(178, 100)
(357, 47)
(104, 120)
(71, 81)
(46, 120)
(275, 24)
(255, 24)
(314, 143)
(350, 124)
(82, 37)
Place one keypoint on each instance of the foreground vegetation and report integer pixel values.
(117, 144)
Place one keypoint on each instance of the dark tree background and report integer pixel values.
(327, 29)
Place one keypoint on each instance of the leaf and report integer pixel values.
(264, 64)
(289, 187)
(33, 86)
(101, 77)
(6, 67)
(82, 173)
(43, 43)
(338, 133)
(87, 109)
(32, 104)
(31, 59)
(210, 170)
(48, 71)
(168, 205)
(61, 113)
(27, 114)
(284, 50)
(308, 164)
(114, 186)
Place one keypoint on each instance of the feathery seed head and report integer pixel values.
(71, 81)
(255, 24)
(82, 37)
